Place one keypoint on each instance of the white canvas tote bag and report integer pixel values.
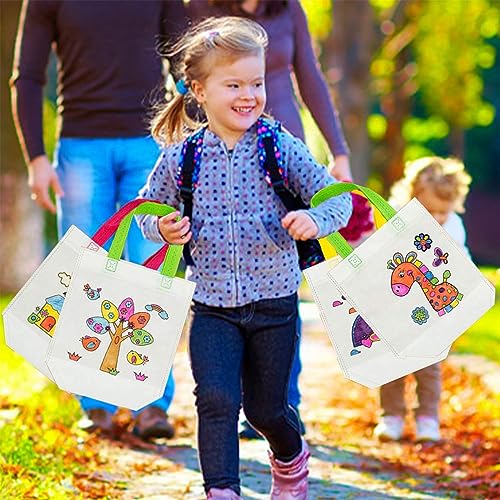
(409, 280)
(118, 346)
(30, 319)
(362, 355)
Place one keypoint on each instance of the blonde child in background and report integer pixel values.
(243, 332)
(441, 185)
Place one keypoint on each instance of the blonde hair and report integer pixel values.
(446, 177)
(214, 39)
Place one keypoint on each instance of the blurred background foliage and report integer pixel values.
(409, 78)
(432, 72)
(414, 78)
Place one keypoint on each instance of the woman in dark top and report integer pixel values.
(289, 52)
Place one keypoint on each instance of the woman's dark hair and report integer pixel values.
(233, 7)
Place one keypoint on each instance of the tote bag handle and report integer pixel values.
(108, 228)
(171, 258)
(336, 239)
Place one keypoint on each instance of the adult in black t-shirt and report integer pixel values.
(108, 67)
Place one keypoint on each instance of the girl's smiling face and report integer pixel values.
(233, 95)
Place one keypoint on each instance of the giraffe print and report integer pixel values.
(442, 296)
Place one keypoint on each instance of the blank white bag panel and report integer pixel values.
(31, 317)
(363, 356)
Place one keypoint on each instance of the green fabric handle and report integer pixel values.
(340, 244)
(173, 256)
(336, 239)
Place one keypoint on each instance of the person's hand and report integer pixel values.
(174, 230)
(300, 225)
(340, 168)
(41, 178)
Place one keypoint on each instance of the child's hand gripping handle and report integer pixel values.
(171, 258)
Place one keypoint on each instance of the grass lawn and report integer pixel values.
(40, 446)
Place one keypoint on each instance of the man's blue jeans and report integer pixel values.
(294, 396)
(247, 352)
(98, 175)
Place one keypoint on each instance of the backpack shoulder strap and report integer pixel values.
(187, 177)
(271, 161)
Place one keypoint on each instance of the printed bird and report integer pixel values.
(134, 358)
(91, 294)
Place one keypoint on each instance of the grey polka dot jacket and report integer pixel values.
(241, 252)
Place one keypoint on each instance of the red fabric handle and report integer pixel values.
(156, 260)
(109, 227)
(361, 220)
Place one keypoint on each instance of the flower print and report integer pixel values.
(420, 315)
(422, 242)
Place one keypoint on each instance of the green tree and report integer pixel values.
(346, 56)
(383, 59)
(451, 49)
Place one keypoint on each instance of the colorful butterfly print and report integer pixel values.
(441, 257)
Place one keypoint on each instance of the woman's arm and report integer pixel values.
(313, 88)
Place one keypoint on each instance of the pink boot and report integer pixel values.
(290, 479)
(222, 494)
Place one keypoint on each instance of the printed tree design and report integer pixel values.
(121, 323)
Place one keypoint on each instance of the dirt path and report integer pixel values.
(174, 473)
(339, 470)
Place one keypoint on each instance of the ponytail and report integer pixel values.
(195, 52)
(172, 123)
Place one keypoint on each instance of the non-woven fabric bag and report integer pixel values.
(363, 356)
(409, 280)
(30, 319)
(119, 345)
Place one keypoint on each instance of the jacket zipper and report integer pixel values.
(232, 221)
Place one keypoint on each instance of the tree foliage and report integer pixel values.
(426, 76)
(451, 48)
(319, 17)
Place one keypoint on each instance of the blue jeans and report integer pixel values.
(294, 396)
(97, 176)
(243, 351)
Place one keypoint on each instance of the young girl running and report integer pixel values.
(241, 241)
